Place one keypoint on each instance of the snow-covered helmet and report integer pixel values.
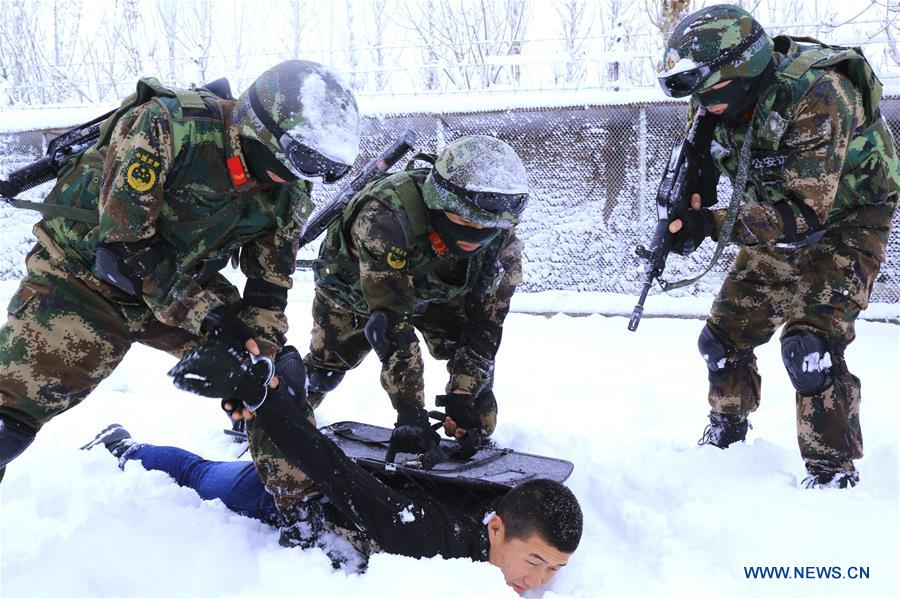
(481, 179)
(305, 116)
(711, 45)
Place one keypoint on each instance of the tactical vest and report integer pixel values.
(871, 174)
(337, 267)
(208, 212)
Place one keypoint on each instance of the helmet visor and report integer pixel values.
(684, 83)
(489, 201)
(306, 162)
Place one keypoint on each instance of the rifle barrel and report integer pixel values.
(321, 219)
(639, 307)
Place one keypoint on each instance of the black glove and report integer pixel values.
(218, 369)
(413, 434)
(223, 322)
(124, 265)
(461, 408)
(291, 373)
(696, 225)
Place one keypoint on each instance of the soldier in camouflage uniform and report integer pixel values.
(432, 249)
(822, 188)
(138, 227)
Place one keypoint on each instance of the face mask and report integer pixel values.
(740, 95)
(260, 159)
(451, 232)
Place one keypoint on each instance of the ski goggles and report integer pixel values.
(685, 83)
(302, 160)
(490, 201)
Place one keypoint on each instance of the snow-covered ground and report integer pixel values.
(662, 516)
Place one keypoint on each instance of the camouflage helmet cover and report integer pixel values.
(310, 104)
(714, 44)
(481, 179)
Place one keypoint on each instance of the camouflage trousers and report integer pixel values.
(820, 288)
(66, 333)
(338, 344)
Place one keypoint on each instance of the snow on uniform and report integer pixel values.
(821, 156)
(379, 257)
(158, 182)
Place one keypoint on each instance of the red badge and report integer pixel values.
(236, 169)
(437, 243)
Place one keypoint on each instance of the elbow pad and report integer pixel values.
(262, 294)
(124, 265)
(381, 331)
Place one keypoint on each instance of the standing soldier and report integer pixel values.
(823, 177)
(432, 249)
(138, 227)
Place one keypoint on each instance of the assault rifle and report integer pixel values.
(682, 178)
(60, 148)
(68, 144)
(379, 165)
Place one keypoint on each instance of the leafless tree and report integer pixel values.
(381, 18)
(198, 36)
(299, 18)
(471, 39)
(357, 80)
(666, 14)
(891, 18)
(576, 20)
(615, 36)
(132, 35)
(14, 54)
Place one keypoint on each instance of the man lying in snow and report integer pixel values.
(529, 533)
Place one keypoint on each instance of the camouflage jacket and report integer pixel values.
(169, 173)
(382, 256)
(820, 156)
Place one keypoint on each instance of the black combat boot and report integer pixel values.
(724, 429)
(828, 474)
(116, 439)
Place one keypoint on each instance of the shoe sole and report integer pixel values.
(101, 436)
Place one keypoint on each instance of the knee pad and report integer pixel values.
(714, 352)
(808, 360)
(320, 380)
(15, 437)
(291, 371)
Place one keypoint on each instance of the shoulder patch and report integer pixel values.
(142, 172)
(396, 258)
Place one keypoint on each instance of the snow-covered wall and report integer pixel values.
(593, 171)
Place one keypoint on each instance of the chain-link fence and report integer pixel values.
(593, 173)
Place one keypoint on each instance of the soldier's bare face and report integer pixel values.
(717, 108)
(526, 563)
(466, 246)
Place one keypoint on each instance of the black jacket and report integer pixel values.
(402, 516)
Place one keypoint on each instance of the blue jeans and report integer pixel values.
(237, 484)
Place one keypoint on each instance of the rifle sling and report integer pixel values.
(55, 210)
